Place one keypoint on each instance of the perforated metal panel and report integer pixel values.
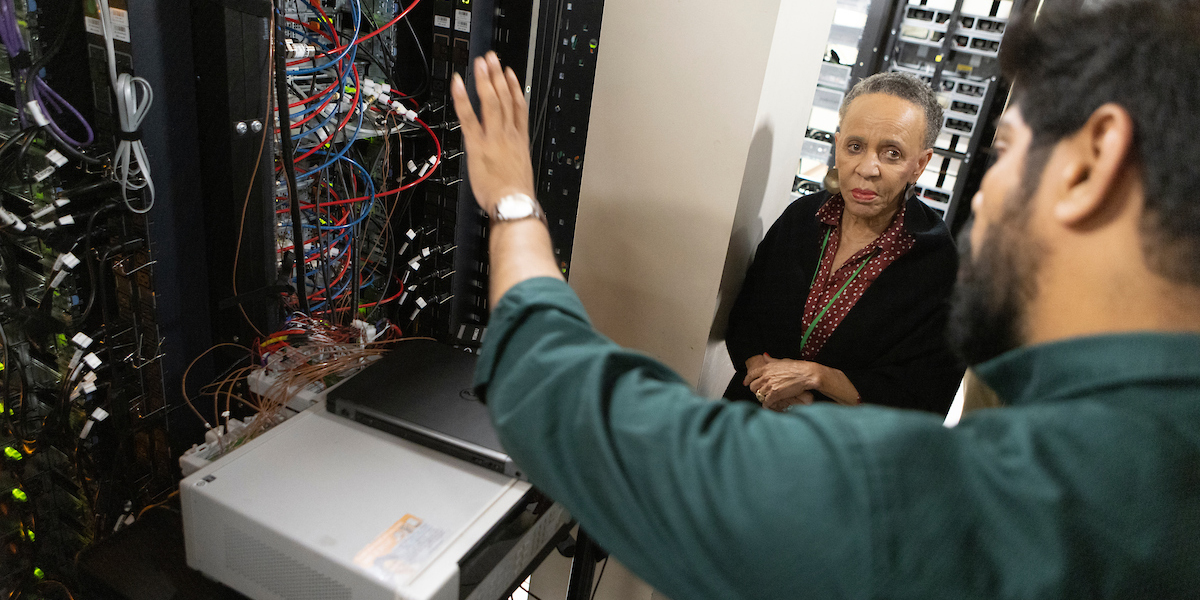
(277, 572)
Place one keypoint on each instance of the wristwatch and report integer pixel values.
(515, 207)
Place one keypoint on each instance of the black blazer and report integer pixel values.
(891, 345)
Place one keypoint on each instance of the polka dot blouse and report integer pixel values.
(890, 245)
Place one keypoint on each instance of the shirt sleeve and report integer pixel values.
(702, 499)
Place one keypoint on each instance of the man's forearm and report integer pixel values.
(520, 250)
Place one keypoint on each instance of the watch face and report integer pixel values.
(510, 208)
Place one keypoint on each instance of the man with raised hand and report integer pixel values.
(1078, 301)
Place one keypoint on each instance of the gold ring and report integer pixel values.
(761, 397)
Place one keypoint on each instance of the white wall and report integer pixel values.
(697, 120)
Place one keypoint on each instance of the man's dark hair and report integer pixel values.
(1145, 57)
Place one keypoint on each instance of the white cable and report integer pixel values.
(130, 163)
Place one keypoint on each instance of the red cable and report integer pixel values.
(427, 174)
(380, 30)
(342, 125)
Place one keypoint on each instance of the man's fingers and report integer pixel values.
(462, 107)
(500, 84)
(489, 105)
(806, 398)
(520, 111)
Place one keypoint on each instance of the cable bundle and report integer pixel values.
(342, 206)
(38, 101)
(133, 97)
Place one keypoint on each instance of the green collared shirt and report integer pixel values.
(1088, 486)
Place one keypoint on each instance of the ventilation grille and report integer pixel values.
(277, 572)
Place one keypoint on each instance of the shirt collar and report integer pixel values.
(830, 214)
(1069, 368)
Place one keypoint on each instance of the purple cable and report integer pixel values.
(10, 35)
(60, 103)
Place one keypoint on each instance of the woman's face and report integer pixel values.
(880, 149)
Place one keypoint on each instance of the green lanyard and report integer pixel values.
(813, 326)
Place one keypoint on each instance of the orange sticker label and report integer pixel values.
(399, 553)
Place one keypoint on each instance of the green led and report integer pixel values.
(29, 534)
(40, 574)
(19, 495)
(12, 453)
(62, 339)
(594, 44)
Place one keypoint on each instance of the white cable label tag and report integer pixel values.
(35, 110)
(92, 360)
(43, 174)
(56, 157)
(82, 340)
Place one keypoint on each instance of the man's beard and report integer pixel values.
(988, 307)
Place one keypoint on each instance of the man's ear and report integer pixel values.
(1090, 162)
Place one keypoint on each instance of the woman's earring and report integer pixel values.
(831, 181)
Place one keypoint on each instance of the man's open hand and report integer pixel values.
(497, 147)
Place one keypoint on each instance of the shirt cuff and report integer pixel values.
(513, 309)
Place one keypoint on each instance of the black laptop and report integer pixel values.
(421, 391)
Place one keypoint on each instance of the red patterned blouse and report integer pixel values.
(893, 243)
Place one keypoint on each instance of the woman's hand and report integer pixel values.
(779, 383)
